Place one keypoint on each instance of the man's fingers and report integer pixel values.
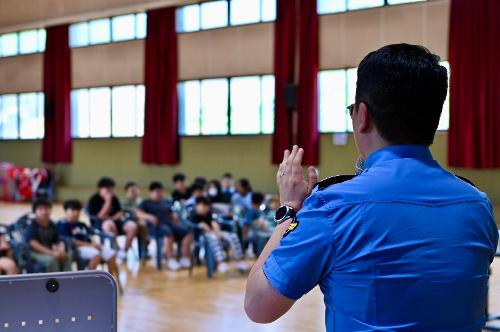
(312, 178)
(286, 154)
(297, 163)
(295, 149)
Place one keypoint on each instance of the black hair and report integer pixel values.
(202, 200)
(245, 184)
(194, 187)
(216, 183)
(106, 182)
(404, 88)
(200, 181)
(72, 204)
(155, 186)
(178, 177)
(41, 203)
(257, 198)
(227, 175)
(129, 185)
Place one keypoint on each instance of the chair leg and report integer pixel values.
(159, 252)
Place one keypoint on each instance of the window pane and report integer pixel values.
(80, 116)
(267, 104)
(41, 115)
(9, 44)
(28, 41)
(245, 105)
(79, 34)
(141, 25)
(268, 10)
(100, 112)
(28, 114)
(396, 2)
(444, 122)
(100, 31)
(214, 14)
(189, 106)
(245, 11)
(123, 27)
(360, 4)
(188, 18)
(124, 111)
(214, 102)
(140, 99)
(331, 6)
(42, 36)
(332, 101)
(352, 77)
(9, 117)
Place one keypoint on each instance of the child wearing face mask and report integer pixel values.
(215, 193)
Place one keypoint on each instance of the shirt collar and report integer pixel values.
(392, 152)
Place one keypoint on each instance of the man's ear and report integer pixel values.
(365, 122)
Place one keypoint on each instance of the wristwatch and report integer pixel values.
(285, 212)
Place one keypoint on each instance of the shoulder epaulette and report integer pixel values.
(466, 180)
(334, 180)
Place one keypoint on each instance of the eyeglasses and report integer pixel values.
(350, 108)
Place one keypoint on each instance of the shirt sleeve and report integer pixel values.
(93, 206)
(305, 254)
(117, 207)
(31, 232)
(63, 229)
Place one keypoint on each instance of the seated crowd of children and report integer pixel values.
(229, 218)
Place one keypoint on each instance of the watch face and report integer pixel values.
(280, 213)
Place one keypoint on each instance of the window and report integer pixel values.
(338, 6)
(222, 13)
(21, 116)
(108, 112)
(24, 42)
(107, 30)
(221, 106)
(337, 90)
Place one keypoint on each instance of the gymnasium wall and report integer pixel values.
(244, 50)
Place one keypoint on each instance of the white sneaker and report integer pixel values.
(242, 266)
(173, 265)
(185, 263)
(222, 267)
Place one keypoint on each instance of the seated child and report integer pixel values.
(158, 211)
(43, 239)
(253, 215)
(129, 205)
(71, 228)
(7, 264)
(215, 236)
(264, 226)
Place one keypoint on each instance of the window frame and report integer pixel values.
(229, 133)
(385, 4)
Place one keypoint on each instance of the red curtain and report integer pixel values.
(57, 143)
(284, 68)
(160, 144)
(474, 54)
(307, 93)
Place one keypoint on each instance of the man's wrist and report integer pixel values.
(294, 205)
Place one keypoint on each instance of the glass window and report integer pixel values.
(332, 101)
(397, 2)
(28, 41)
(140, 103)
(41, 114)
(267, 104)
(9, 44)
(124, 116)
(352, 77)
(100, 112)
(123, 27)
(141, 25)
(189, 106)
(331, 6)
(214, 106)
(80, 115)
(9, 119)
(245, 105)
(30, 124)
(100, 31)
(268, 10)
(245, 11)
(214, 14)
(79, 34)
(188, 18)
(361, 4)
(42, 36)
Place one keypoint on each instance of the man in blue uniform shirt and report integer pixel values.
(403, 246)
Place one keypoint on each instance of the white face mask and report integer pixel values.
(212, 192)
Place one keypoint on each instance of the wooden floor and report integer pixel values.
(167, 301)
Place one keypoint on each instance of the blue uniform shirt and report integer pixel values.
(404, 246)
